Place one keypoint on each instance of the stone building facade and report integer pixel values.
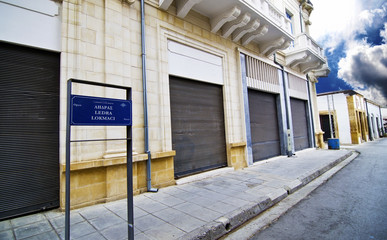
(375, 119)
(226, 85)
(354, 119)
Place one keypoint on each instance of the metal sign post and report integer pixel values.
(94, 111)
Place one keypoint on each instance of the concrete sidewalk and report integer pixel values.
(202, 209)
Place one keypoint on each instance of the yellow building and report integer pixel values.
(225, 85)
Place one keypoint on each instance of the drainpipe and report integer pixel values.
(146, 129)
(289, 140)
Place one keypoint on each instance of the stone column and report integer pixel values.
(316, 116)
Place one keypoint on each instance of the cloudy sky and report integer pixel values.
(354, 36)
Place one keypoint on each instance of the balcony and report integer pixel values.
(306, 55)
(323, 71)
(244, 21)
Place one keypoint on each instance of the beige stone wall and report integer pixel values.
(101, 42)
(194, 31)
(100, 181)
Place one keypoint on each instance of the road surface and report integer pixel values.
(351, 205)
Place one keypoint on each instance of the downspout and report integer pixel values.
(311, 113)
(289, 148)
(146, 128)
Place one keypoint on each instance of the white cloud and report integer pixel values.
(334, 19)
(365, 68)
(366, 17)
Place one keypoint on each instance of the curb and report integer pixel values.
(313, 175)
(234, 219)
(271, 215)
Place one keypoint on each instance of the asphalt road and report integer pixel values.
(351, 205)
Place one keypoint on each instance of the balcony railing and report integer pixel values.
(245, 21)
(272, 12)
(305, 53)
(304, 41)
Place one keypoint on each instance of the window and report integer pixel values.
(290, 17)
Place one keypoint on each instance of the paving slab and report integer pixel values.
(164, 232)
(51, 235)
(59, 222)
(94, 236)
(105, 221)
(116, 232)
(26, 220)
(5, 225)
(78, 230)
(32, 229)
(6, 234)
(179, 219)
(148, 222)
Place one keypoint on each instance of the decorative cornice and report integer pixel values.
(312, 77)
(295, 59)
(230, 27)
(270, 47)
(239, 33)
(254, 35)
(322, 72)
(130, 2)
(184, 6)
(219, 21)
(164, 4)
(306, 67)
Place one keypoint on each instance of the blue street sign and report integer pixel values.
(97, 111)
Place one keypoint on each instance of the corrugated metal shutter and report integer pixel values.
(198, 134)
(264, 125)
(300, 123)
(29, 130)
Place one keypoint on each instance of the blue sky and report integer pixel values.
(354, 36)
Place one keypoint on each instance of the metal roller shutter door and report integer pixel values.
(29, 130)
(198, 134)
(300, 124)
(264, 125)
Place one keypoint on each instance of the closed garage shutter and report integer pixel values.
(300, 123)
(198, 134)
(264, 125)
(29, 130)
